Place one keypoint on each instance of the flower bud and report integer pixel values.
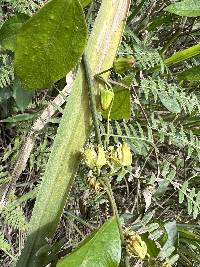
(135, 245)
(124, 155)
(123, 64)
(107, 97)
(101, 157)
(90, 157)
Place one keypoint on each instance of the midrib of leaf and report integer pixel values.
(73, 132)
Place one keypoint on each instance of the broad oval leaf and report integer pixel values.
(192, 74)
(188, 8)
(10, 29)
(121, 107)
(101, 249)
(50, 43)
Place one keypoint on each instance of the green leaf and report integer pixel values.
(183, 55)
(10, 29)
(102, 249)
(19, 117)
(121, 107)
(182, 192)
(50, 43)
(192, 74)
(152, 248)
(85, 3)
(188, 8)
(170, 102)
(22, 97)
(171, 230)
(164, 184)
(5, 94)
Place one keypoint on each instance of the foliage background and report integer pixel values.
(163, 133)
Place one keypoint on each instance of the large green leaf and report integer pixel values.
(189, 8)
(102, 249)
(50, 43)
(192, 74)
(121, 107)
(10, 29)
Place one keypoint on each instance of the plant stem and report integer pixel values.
(106, 184)
(89, 80)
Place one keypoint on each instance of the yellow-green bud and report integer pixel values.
(124, 155)
(107, 97)
(123, 64)
(135, 245)
(101, 157)
(90, 156)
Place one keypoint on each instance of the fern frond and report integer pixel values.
(6, 70)
(4, 245)
(24, 6)
(173, 97)
(192, 197)
(14, 217)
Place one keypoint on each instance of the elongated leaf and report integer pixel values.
(73, 132)
(182, 192)
(19, 117)
(183, 55)
(10, 29)
(188, 8)
(192, 74)
(50, 44)
(102, 249)
(121, 107)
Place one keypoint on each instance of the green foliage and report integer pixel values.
(173, 97)
(182, 55)
(102, 249)
(189, 8)
(192, 74)
(4, 245)
(14, 217)
(121, 106)
(24, 6)
(6, 73)
(161, 127)
(40, 59)
(193, 199)
(65, 154)
(9, 30)
(22, 97)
